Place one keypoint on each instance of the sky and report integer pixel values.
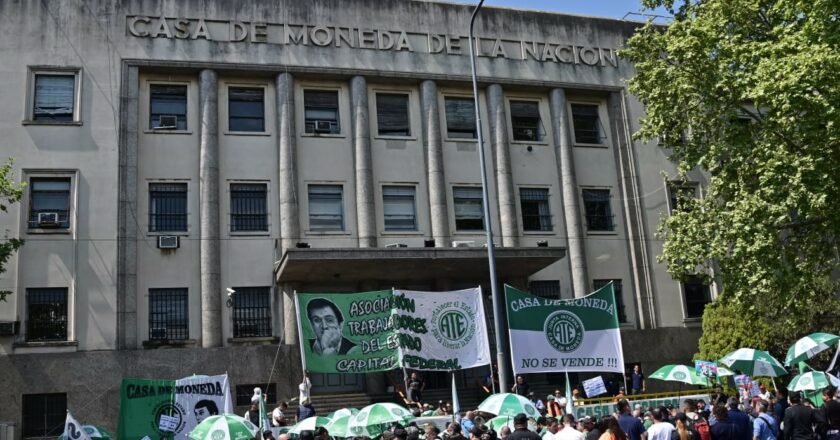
(598, 8)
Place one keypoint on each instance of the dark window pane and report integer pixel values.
(246, 109)
(54, 98)
(596, 204)
(619, 297)
(398, 208)
(469, 208)
(46, 314)
(44, 415)
(525, 121)
(679, 194)
(168, 314)
(168, 207)
(460, 118)
(248, 207)
(49, 199)
(697, 295)
(545, 288)
(251, 312)
(536, 215)
(321, 112)
(245, 392)
(326, 208)
(168, 100)
(587, 124)
(392, 114)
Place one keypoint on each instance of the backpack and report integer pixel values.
(702, 427)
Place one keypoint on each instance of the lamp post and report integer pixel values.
(501, 359)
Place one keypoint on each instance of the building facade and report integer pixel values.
(176, 151)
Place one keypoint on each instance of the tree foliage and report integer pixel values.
(10, 193)
(749, 92)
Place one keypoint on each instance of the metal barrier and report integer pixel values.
(661, 395)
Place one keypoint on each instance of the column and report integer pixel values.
(365, 213)
(208, 171)
(564, 152)
(438, 212)
(501, 160)
(287, 167)
(127, 236)
(290, 330)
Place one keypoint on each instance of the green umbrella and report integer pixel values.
(812, 381)
(497, 422)
(309, 424)
(809, 346)
(338, 426)
(92, 431)
(753, 362)
(224, 427)
(342, 412)
(373, 419)
(680, 373)
(723, 371)
(508, 404)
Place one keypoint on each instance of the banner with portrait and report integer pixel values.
(388, 329)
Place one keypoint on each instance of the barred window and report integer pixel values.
(697, 295)
(55, 98)
(619, 296)
(587, 124)
(168, 207)
(49, 203)
(596, 204)
(469, 208)
(679, 194)
(545, 288)
(248, 207)
(44, 415)
(460, 118)
(526, 122)
(536, 215)
(246, 109)
(167, 100)
(398, 208)
(46, 314)
(392, 114)
(326, 208)
(168, 314)
(251, 312)
(320, 110)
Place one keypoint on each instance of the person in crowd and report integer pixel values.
(416, 385)
(765, 426)
(637, 411)
(283, 436)
(321, 433)
(449, 410)
(552, 426)
(763, 392)
(306, 435)
(661, 429)
(305, 410)
(740, 419)
(637, 380)
(682, 428)
(253, 414)
(468, 422)
(278, 416)
(808, 402)
(647, 420)
(427, 410)
(592, 429)
(630, 425)
(723, 428)
(612, 428)
(537, 402)
(453, 432)
(431, 432)
(441, 409)
(799, 419)
(553, 409)
(520, 387)
(305, 388)
(520, 428)
(830, 414)
(702, 409)
(569, 431)
(504, 432)
(779, 409)
(575, 395)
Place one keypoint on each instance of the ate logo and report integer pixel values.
(679, 375)
(453, 324)
(564, 331)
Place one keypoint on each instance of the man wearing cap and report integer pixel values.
(553, 409)
(569, 432)
(520, 431)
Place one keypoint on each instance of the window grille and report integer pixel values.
(697, 295)
(536, 214)
(596, 204)
(46, 314)
(251, 312)
(526, 122)
(248, 207)
(168, 314)
(587, 124)
(168, 207)
(44, 415)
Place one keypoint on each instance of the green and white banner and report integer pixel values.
(170, 409)
(388, 329)
(549, 335)
(599, 410)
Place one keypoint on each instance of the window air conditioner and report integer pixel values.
(460, 244)
(48, 219)
(323, 126)
(158, 333)
(9, 328)
(167, 122)
(396, 245)
(168, 242)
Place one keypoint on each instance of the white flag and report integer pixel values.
(73, 430)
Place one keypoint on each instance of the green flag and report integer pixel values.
(146, 406)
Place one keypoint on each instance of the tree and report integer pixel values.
(747, 91)
(10, 193)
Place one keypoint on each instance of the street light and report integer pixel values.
(501, 360)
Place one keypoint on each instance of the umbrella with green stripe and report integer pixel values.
(723, 371)
(680, 373)
(753, 362)
(342, 412)
(309, 424)
(809, 346)
(373, 419)
(508, 404)
(812, 381)
(338, 426)
(497, 422)
(224, 427)
(92, 431)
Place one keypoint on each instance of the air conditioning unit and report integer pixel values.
(168, 242)
(158, 333)
(167, 122)
(461, 244)
(396, 245)
(10, 328)
(48, 219)
(323, 126)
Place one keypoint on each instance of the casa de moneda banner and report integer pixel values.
(550, 335)
(388, 329)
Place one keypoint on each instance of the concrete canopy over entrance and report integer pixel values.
(410, 264)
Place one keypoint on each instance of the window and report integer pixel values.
(44, 415)
(326, 208)
(398, 206)
(168, 314)
(392, 114)
(46, 311)
(596, 204)
(168, 207)
(246, 109)
(251, 312)
(320, 109)
(536, 215)
(49, 202)
(545, 288)
(619, 297)
(587, 124)
(678, 194)
(526, 122)
(244, 393)
(697, 295)
(469, 208)
(54, 96)
(167, 100)
(248, 207)
(460, 118)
